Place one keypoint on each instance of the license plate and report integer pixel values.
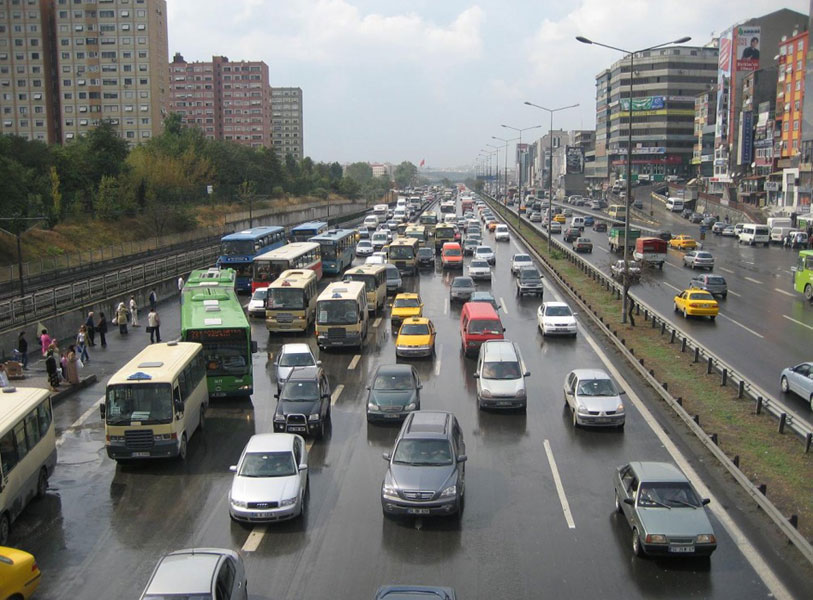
(603, 420)
(418, 511)
(258, 515)
(682, 549)
(391, 416)
(140, 454)
(297, 428)
(503, 403)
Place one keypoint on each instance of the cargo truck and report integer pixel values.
(616, 238)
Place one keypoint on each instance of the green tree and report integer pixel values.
(335, 172)
(360, 172)
(405, 174)
(107, 202)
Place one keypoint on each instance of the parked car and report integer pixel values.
(199, 573)
(593, 399)
(270, 479)
(708, 221)
(529, 281)
(461, 289)
(686, 213)
(714, 284)
(799, 380)
(479, 269)
(696, 303)
(556, 318)
(256, 306)
(583, 244)
(698, 259)
(667, 516)
(500, 376)
(293, 356)
(393, 393)
(634, 268)
(303, 404)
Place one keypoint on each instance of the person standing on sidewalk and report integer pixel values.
(154, 326)
(121, 318)
(51, 369)
(22, 348)
(133, 312)
(101, 328)
(81, 344)
(45, 341)
(71, 366)
(90, 329)
(153, 299)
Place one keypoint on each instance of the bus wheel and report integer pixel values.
(42, 483)
(202, 419)
(182, 448)
(4, 529)
(809, 292)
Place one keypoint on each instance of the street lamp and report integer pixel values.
(631, 55)
(488, 154)
(496, 151)
(505, 170)
(550, 170)
(519, 167)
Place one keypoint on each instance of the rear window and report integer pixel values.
(485, 326)
(716, 280)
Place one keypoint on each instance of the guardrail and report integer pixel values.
(758, 494)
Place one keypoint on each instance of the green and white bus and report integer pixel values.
(803, 274)
(214, 318)
(212, 277)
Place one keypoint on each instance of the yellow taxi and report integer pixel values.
(560, 218)
(416, 337)
(404, 306)
(19, 574)
(696, 303)
(683, 242)
(492, 225)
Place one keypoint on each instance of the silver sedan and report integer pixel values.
(799, 380)
(698, 259)
(593, 399)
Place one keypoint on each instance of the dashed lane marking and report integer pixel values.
(446, 306)
(748, 329)
(785, 292)
(559, 488)
(437, 364)
(677, 289)
(254, 538)
(504, 305)
(727, 270)
(336, 393)
(377, 322)
(797, 322)
(734, 293)
(752, 280)
(354, 363)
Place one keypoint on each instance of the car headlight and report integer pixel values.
(582, 409)
(279, 419)
(620, 407)
(485, 393)
(288, 501)
(115, 438)
(449, 491)
(239, 503)
(389, 490)
(706, 538)
(411, 406)
(371, 406)
(313, 417)
(655, 538)
(521, 393)
(162, 437)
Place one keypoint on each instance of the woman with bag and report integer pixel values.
(51, 368)
(81, 344)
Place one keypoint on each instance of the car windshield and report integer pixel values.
(260, 294)
(484, 250)
(668, 495)
(296, 359)
(337, 312)
(397, 381)
(406, 303)
(522, 258)
(481, 326)
(365, 244)
(462, 282)
(596, 387)
(452, 252)
(392, 274)
(300, 390)
(703, 255)
(557, 311)
(501, 370)
(529, 274)
(428, 453)
(701, 296)
(479, 264)
(268, 464)
(416, 329)
(425, 253)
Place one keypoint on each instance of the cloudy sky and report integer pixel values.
(393, 80)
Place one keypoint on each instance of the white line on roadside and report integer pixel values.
(785, 292)
(752, 280)
(748, 329)
(309, 444)
(377, 322)
(559, 488)
(254, 538)
(726, 270)
(797, 322)
(603, 249)
(677, 289)
(336, 393)
(79, 422)
(354, 363)
(734, 293)
(739, 538)
(439, 359)
(446, 306)
(668, 264)
(504, 305)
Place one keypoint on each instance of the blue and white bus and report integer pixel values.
(305, 231)
(237, 250)
(338, 250)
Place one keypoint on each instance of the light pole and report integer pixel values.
(496, 151)
(550, 151)
(519, 167)
(488, 154)
(631, 55)
(505, 170)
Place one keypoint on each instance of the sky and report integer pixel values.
(434, 80)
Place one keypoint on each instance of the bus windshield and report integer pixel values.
(149, 403)
(337, 312)
(286, 298)
(401, 252)
(237, 247)
(224, 350)
(268, 270)
(367, 280)
(328, 250)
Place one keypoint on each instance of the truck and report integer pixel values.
(616, 238)
(650, 250)
(778, 222)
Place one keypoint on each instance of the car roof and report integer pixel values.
(657, 471)
(185, 571)
(394, 369)
(463, 277)
(416, 321)
(591, 374)
(295, 348)
(499, 350)
(546, 304)
(521, 255)
(303, 373)
(480, 310)
(407, 295)
(270, 442)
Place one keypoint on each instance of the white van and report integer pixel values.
(674, 204)
(779, 222)
(577, 222)
(370, 222)
(778, 234)
(752, 234)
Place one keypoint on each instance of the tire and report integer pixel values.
(5, 527)
(676, 306)
(725, 295)
(637, 548)
(575, 420)
(712, 317)
(783, 383)
(685, 314)
(42, 483)
(618, 507)
(809, 292)
(321, 433)
(811, 401)
(202, 420)
(182, 449)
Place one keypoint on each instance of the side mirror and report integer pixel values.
(386, 456)
(476, 375)
(303, 467)
(705, 501)
(527, 374)
(253, 346)
(462, 458)
(629, 501)
(318, 363)
(503, 329)
(233, 468)
(276, 395)
(101, 411)
(179, 406)
(420, 386)
(366, 387)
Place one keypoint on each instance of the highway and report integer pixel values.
(539, 518)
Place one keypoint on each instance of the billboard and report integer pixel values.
(746, 137)
(746, 48)
(647, 103)
(575, 159)
(723, 88)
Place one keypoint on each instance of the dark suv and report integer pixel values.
(303, 405)
(427, 472)
(529, 281)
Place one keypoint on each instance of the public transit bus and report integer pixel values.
(212, 277)
(617, 211)
(291, 301)
(296, 255)
(429, 220)
(417, 232)
(215, 319)
(447, 207)
(341, 315)
(155, 402)
(338, 249)
(403, 253)
(374, 278)
(305, 231)
(803, 274)
(444, 233)
(27, 451)
(237, 250)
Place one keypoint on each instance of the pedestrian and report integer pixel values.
(22, 348)
(81, 344)
(3, 376)
(90, 329)
(50, 368)
(63, 364)
(154, 326)
(121, 318)
(180, 284)
(101, 328)
(133, 312)
(153, 299)
(72, 366)
(45, 341)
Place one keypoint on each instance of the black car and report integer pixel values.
(393, 393)
(426, 257)
(303, 405)
(571, 233)
(695, 218)
(529, 281)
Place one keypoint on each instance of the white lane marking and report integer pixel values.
(309, 444)
(739, 538)
(603, 249)
(559, 488)
(797, 322)
(734, 294)
(677, 289)
(748, 329)
(668, 264)
(752, 280)
(336, 393)
(726, 270)
(437, 364)
(79, 422)
(787, 293)
(504, 305)
(254, 538)
(446, 306)
(354, 363)
(377, 322)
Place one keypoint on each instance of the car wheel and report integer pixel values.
(685, 314)
(809, 292)
(575, 419)
(618, 508)
(637, 548)
(182, 448)
(676, 306)
(784, 384)
(712, 317)
(42, 483)
(5, 527)
(725, 295)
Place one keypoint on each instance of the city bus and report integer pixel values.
(155, 402)
(341, 315)
(296, 255)
(443, 233)
(447, 207)
(338, 249)
(617, 211)
(374, 278)
(403, 253)
(212, 277)
(305, 231)
(291, 301)
(214, 318)
(27, 451)
(803, 274)
(429, 220)
(237, 250)
(417, 232)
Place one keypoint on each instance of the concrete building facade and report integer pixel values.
(790, 92)
(286, 116)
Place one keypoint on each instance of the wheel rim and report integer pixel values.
(182, 449)
(575, 419)
(636, 542)
(617, 503)
(4, 529)
(784, 384)
(685, 314)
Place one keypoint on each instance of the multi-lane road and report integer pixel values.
(539, 516)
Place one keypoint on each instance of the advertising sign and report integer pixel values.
(747, 138)
(723, 88)
(647, 103)
(747, 48)
(575, 159)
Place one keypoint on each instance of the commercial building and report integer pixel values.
(599, 172)
(286, 116)
(381, 169)
(704, 118)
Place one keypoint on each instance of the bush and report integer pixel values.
(320, 193)
(277, 192)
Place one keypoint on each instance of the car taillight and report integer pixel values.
(695, 305)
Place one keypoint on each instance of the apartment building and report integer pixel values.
(704, 119)
(286, 117)
(790, 92)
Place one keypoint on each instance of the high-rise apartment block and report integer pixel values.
(790, 92)
(286, 118)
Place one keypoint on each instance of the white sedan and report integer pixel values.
(520, 260)
(364, 248)
(501, 233)
(485, 253)
(479, 269)
(256, 306)
(556, 318)
(376, 258)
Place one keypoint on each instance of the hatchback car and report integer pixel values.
(427, 473)
(364, 248)
(485, 253)
(19, 574)
(479, 269)
(593, 399)
(571, 233)
(270, 480)
(256, 306)
(799, 380)
(583, 244)
(500, 376)
(291, 356)
(394, 281)
(698, 259)
(529, 281)
(714, 284)
(303, 404)
(199, 573)
(461, 289)
(520, 260)
(416, 337)
(395, 391)
(501, 233)
(380, 239)
(556, 318)
(667, 516)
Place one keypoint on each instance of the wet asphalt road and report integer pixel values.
(102, 527)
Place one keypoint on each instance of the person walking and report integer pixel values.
(22, 348)
(101, 328)
(121, 318)
(133, 312)
(72, 366)
(153, 299)
(90, 329)
(180, 284)
(51, 369)
(45, 341)
(154, 326)
(81, 344)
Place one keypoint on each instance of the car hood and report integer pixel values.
(502, 387)
(391, 397)
(264, 489)
(413, 340)
(406, 477)
(559, 320)
(600, 403)
(256, 304)
(305, 407)
(677, 521)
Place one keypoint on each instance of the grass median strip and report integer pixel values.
(766, 457)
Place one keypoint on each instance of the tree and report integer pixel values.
(335, 172)
(360, 172)
(107, 203)
(404, 174)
